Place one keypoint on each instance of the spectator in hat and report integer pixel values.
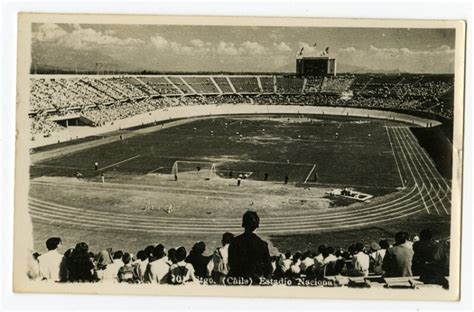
(398, 259)
(50, 262)
(248, 254)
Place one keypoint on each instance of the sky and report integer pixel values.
(238, 48)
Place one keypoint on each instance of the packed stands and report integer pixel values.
(336, 85)
(289, 85)
(224, 84)
(104, 98)
(360, 83)
(160, 85)
(245, 85)
(181, 85)
(268, 84)
(101, 86)
(313, 84)
(202, 85)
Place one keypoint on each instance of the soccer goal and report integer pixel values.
(195, 170)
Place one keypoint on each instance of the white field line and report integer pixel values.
(218, 229)
(395, 157)
(428, 158)
(155, 170)
(116, 220)
(309, 174)
(406, 197)
(421, 195)
(405, 157)
(369, 211)
(426, 174)
(118, 163)
(399, 137)
(414, 148)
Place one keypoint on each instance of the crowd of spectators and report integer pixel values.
(104, 100)
(245, 257)
(337, 84)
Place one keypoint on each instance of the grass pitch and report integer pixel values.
(346, 152)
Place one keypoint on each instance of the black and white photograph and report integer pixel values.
(251, 157)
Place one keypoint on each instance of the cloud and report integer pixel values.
(347, 50)
(227, 48)
(159, 42)
(195, 46)
(428, 59)
(48, 33)
(80, 38)
(246, 48)
(253, 48)
(396, 52)
(282, 47)
(197, 43)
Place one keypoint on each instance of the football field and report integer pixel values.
(345, 152)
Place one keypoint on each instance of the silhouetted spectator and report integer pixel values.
(424, 250)
(248, 254)
(81, 268)
(198, 260)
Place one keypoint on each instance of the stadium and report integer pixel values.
(329, 161)
(368, 132)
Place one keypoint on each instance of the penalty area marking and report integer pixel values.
(120, 162)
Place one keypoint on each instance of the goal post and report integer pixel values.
(195, 170)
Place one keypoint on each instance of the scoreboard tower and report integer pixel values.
(316, 66)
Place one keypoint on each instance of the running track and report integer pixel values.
(425, 192)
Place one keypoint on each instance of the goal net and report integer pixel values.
(195, 170)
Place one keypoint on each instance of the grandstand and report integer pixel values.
(55, 96)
